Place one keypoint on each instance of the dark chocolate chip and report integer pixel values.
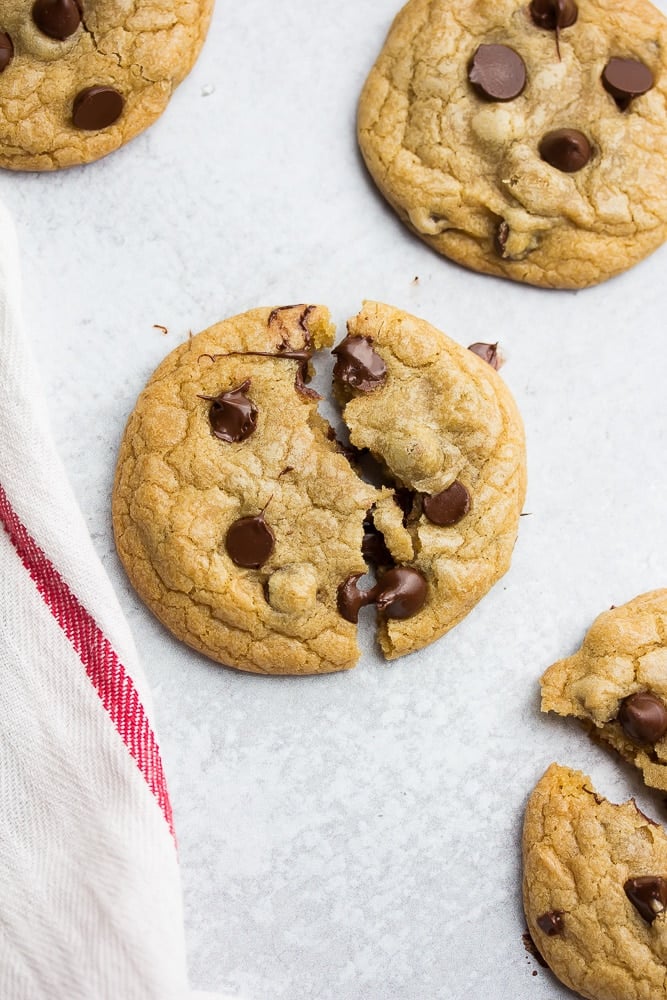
(625, 79)
(497, 72)
(648, 895)
(501, 238)
(96, 108)
(250, 542)
(643, 717)
(6, 51)
(551, 923)
(566, 149)
(57, 18)
(488, 353)
(351, 599)
(358, 364)
(553, 15)
(373, 547)
(232, 415)
(449, 506)
(401, 593)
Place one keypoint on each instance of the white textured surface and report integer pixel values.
(353, 836)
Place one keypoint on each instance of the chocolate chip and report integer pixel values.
(351, 599)
(648, 895)
(6, 51)
(373, 547)
(566, 149)
(488, 353)
(449, 506)
(553, 15)
(232, 415)
(358, 364)
(501, 238)
(96, 108)
(57, 18)
(250, 542)
(497, 72)
(643, 717)
(625, 79)
(401, 592)
(551, 923)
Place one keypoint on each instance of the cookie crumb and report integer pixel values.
(158, 326)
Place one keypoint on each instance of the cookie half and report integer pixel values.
(79, 78)
(595, 890)
(524, 139)
(617, 683)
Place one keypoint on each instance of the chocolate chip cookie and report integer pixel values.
(617, 683)
(595, 890)
(524, 139)
(244, 524)
(79, 78)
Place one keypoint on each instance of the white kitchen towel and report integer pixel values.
(90, 899)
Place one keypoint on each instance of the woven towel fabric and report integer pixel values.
(90, 900)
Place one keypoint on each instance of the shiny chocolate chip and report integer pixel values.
(553, 15)
(447, 507)
(497, 73)
(6, 51)
(643, 717)
(648, 895)
(233, 417)
(401, 593)
(566, 149)
(551, 923)
(96, 108)
(625, 79)
(488, 353)
(250, 542)
(358, 364)
(351, 599)
(57, 18)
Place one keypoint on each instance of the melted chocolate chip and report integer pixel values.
(57, 18)
(232, 415)
(488, 353)
(551, 923)
(401, 593)
(553, 15)
(449, 506)
(643, 717)
(501, 238)
(566, 149)
(351, 599)
(373, 547)
(625, 79)
(6, 51)
(250, 542)
(358, 365)
(497, 72)
(96, 108)
(648, 895)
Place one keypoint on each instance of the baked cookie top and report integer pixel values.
(526, 140)
(617, 682)
(246, 527)
(78, 78)
(595, 890)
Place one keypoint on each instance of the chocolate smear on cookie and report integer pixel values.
(57, 18)
(250, 542)
(6, 51)
(648, 895)
(497, 73)
(643, 717)
(488, 353)
(358, 364)
(96, 108)
(551, 923)
(232, 415)
(625, 79)
(566, 149)
(448, 506)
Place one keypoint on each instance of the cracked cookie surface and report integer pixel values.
(241, 522)
(79, 78)
(595, 890)
(475, 174)
(617, 683)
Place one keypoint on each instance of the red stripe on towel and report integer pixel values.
(108, 675)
